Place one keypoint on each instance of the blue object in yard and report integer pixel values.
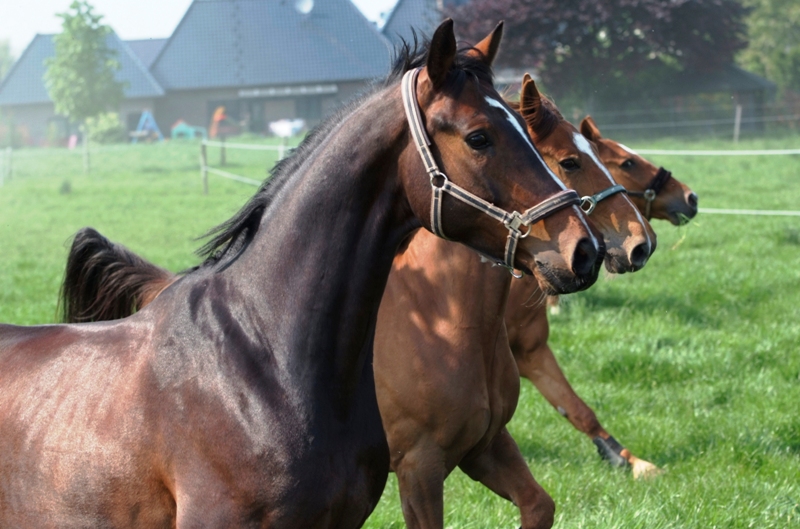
(147, 126)
(184, 130)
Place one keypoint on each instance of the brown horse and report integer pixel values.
(447, 382)
(659, 196)
(243, 395)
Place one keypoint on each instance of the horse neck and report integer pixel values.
(458, 287)
(317, 266)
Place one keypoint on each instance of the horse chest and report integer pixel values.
(262, 458)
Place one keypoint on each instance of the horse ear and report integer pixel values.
(589, 129)
(487, 49)
(442, 53)
(530, 102)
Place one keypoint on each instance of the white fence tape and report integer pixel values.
(232, 176)
(763, 152)
(696, 123)
(764, 212)
(246, 146)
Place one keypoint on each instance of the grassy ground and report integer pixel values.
(694, 363)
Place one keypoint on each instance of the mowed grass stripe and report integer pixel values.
(693, 363)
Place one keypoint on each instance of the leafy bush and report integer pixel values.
(106, 128)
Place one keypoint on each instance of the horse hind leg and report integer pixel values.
(503, 470)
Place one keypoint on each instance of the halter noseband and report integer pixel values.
(655, 187)
(440, 184)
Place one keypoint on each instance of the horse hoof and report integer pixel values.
(642, 469)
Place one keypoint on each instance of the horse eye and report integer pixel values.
(569, 164)
(478, 141)
(627, 164)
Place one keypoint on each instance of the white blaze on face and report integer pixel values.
(515, 123)
(584, 146)
(628, 150)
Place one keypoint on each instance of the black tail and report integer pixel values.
(106, 281)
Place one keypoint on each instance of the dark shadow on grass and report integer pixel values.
(543, 451)
(691, 311)
(634, 369)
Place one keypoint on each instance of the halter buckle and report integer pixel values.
(588, 204)
(650, 195)
(515, 223)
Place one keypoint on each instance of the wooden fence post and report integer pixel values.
(86, 166)
(222, 151)
(282, 149)
(9, 160)
(204, 166)
(737, 124)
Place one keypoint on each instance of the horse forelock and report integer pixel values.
(231, 237)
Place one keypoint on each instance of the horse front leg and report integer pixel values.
(539, 365)
(503, 470)
(420, 475)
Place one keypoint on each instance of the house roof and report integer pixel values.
(146, 49)
(421, 15)
(25, 84)
(220, 43)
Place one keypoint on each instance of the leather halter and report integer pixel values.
(588, 203)
(655, 187)
(440, 184)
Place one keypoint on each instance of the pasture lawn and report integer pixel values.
(694, 363)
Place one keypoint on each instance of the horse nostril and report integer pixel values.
(692, 200)
(639, 256)
(584, 258)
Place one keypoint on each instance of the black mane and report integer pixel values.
(234, 235)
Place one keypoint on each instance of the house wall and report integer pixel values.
(196, 107)
(30, 121)
(39, 125)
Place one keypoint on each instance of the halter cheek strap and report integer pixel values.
(588, 203)
(655, 187)
(440, 184)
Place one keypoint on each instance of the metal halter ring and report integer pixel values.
(523, 235)
(438, 174)
(592, 203)
(650, 195)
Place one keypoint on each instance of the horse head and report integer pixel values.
(489, 188)
(652, 189)
(629, 239)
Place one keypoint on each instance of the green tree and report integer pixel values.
(6, 59)
(80, 77)
(773, 28)
(614, 50)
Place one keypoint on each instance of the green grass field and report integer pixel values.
(694, 363)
